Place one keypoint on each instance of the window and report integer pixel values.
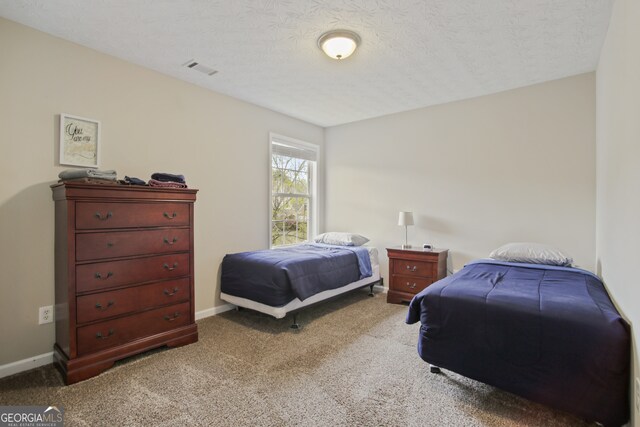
(294, 203)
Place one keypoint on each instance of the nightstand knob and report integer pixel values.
(414, 268)
(412, 286)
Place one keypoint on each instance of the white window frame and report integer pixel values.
(314, 188)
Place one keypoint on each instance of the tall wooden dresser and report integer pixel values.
(124, 274)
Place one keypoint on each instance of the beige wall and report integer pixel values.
(513, 166)
(618, 160)
(150, 122)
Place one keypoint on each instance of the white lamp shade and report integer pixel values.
(405, 218)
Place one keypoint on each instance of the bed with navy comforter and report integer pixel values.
(547, 333)
(274, 277)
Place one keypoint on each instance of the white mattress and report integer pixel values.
(280, 312)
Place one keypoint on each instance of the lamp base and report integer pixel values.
(406, 246)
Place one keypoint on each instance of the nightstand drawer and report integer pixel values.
(414, 268)
(409, 284)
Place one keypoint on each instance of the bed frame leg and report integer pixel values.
(434, 369)
(295, 324)
(371, 289)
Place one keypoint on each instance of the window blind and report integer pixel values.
(282, 149)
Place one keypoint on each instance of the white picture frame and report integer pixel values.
(79, 141)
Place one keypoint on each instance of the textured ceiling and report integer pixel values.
(414, 53)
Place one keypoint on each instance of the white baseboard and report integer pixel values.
(384, 289)
(26, 364)
(214, 311)
(45, 359)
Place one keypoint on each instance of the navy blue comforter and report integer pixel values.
(276, 277)
(550, 334)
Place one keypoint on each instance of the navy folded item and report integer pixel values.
(134, 181)
(168, 177)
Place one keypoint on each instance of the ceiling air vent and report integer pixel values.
(195, 65)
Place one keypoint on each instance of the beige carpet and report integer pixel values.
(354, 363)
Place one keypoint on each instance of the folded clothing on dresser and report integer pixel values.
(168, 177)
(130, 180)
(88, 173)
(85, 180)
(166, 184)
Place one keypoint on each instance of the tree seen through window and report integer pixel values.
(290, 200)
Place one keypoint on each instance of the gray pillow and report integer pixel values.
(342, 239)
(532, 253)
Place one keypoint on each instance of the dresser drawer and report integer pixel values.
(104, 275)
(110, 333)
(409, 284)
(91, 215)
(414, 268)
(127, 243)
(123, 301)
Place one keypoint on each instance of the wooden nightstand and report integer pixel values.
(412, 270)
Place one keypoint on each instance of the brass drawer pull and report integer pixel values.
(172, 216)
(101, 308)
(415, 268)
(104, 218)
(171, 319)
(171, 293)
(174, 240)
(412, 286)
(99, 276)
(166, 266)
(103, 337)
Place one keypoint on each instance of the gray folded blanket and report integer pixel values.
(88, 173)
(99, 181)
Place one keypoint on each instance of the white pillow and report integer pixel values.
(342, 239)
(532, 253)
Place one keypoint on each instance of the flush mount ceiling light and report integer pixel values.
(339, 44)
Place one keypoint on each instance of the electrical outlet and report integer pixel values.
(637, 395)
(45, 315)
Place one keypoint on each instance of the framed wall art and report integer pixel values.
(79, 141)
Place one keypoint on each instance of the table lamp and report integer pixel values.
(405, 219)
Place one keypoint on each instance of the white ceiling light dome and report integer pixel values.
(339, 44)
